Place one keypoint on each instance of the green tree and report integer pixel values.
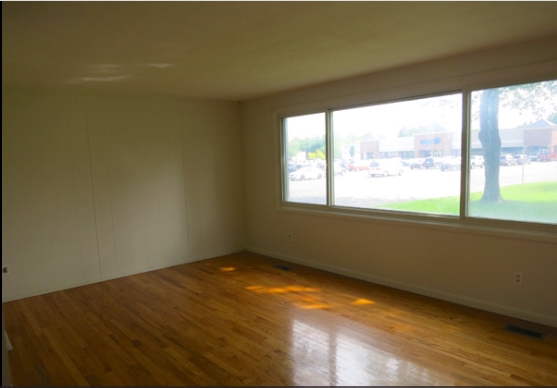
(306, 145)
(491, 143)
(407, 132)
(537, 98)
(319, 154)
(294, 147)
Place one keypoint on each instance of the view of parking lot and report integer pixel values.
(359, 189)
(406, 155)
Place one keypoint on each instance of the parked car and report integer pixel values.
(306, 173)
(507, 160)
(533, 157)
(356, 165)
(386, 167)
(432, 163)
(522, 159)
(339, 168)
(360, 165)
(416, 163)
(293, 167)
(322, 165)
(546, 156)
(452, 163)
(477, 161)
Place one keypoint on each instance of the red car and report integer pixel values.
(361, 165)
(545, 156)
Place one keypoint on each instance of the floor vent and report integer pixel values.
(282, 267)
(521, 330)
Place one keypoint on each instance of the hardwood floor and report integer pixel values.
(239, 320)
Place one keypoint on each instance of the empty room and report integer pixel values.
(279, 193)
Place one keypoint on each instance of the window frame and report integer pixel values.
(462, 223)
(330, 135)
(284, 163)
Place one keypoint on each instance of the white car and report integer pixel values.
(386, 167)
(451, 164)
(339, 168)
(306, 173)
(476, 161)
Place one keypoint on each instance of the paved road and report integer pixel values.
(360, 190)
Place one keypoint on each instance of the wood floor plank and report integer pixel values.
(240, 320)
(53, 339)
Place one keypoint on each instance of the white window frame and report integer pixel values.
(461, 223)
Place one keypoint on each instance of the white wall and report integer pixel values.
(96, 187)
(472, 269)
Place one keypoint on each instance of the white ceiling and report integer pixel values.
(244, 50)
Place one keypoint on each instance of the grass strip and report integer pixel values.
(535, 202)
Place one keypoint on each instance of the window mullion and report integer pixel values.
(283, 159)
(329, 148)
(465, 154)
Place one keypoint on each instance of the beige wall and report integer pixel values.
(96, 187)
(466, 267)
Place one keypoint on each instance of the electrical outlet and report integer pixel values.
(289, 237)
(5, 270)
(518, 278)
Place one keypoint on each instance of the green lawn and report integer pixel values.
(535, 202)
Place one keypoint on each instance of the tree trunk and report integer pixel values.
(491, 143)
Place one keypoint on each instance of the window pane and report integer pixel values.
(305, 155)
(513, 168)
(399, 156)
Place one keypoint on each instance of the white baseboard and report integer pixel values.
(66, 286)
(102, 278)
(438, 294)
(526, 315)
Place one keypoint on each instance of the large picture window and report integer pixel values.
(388, 156)
(486, 154)
(514, 132)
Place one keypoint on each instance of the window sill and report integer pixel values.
(476, 226)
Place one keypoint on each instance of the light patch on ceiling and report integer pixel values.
(114, 69)
(100, 79)
(105, 69)
(158, 65)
